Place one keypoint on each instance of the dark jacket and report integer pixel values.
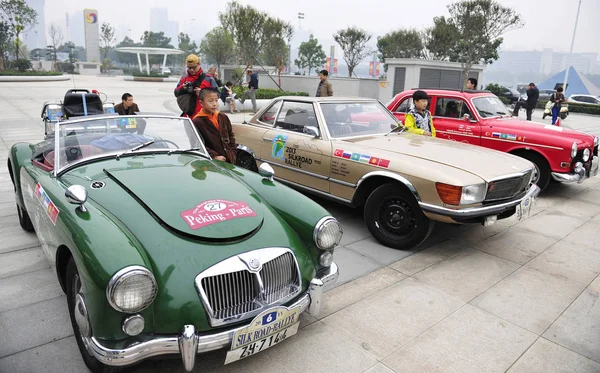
(206, 82)
(533, 94)
(119, 109)
(253, 83)
(558, 99)
(324, 89)
(217, 142)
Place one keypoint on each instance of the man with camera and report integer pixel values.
(189, 87)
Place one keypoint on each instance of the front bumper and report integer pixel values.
(189, 343)
(471, 213)
(579, 174)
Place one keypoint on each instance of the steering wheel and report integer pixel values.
(166, 141)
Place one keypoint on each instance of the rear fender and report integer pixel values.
(20, 154)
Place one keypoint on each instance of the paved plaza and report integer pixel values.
(515, 296)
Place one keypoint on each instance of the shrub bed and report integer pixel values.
(267, 93)
(151, 75)
(28, 73)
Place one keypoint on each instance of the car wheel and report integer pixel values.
(542, 171)
(80, 321)
(245, 160)
(24, 219)
(395, 219)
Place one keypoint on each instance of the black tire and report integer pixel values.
(563, 115)
(245, 160)
(542, 169)
(405, 226)
(73, 285)
(24, 219)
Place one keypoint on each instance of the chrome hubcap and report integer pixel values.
(81, 314)
(536, 174)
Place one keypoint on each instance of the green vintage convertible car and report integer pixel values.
(161, 250)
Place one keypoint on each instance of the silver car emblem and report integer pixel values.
(254, 264)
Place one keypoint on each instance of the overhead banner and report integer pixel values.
(91, 29)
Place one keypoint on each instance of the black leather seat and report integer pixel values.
(73, 104)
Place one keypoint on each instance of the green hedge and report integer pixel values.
(28, 73)
(575, 108)
(151, 75)
(267, 93)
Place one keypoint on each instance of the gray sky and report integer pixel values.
(548, 23)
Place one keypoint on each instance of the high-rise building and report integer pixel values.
(35, 37)
(159, 22)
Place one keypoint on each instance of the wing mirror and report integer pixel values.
(466, 117)
(394, 125)
(77, 195)
(265, 170)
(313, 131)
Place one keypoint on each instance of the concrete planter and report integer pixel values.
(129, 78)
(33, 78)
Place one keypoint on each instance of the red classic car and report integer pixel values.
(480, 118)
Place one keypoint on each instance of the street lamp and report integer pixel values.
(571, 50)
(300, 17)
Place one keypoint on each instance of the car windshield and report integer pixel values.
(357, 118)
(116, 136)
(490, 106)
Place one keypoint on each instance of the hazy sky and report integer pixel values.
(548, 23)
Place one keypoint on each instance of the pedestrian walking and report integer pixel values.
(325, 88)
(252, 88)
(533, 94)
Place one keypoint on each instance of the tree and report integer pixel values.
(276, 51)
(246, 26)
(107, 40)
(56, 39)
(217, 46)
(186, 44)
(440, 40)
(5, 43)
(127, 58)
(19, 16)
(310, 54)
(474, 29)
(155, 40)
(353, 41)
(401, 43)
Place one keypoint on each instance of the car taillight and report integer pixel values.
(449, 194)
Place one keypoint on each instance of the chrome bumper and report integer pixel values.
(189, 343)
(474, 212)
(578, 174)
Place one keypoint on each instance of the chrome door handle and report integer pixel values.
(267, 139)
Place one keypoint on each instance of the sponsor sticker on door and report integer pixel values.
(51, 210)
(216, 211)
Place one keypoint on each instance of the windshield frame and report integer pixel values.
(351, 102)
(481, 117)
(59, 171)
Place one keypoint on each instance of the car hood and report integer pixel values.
(546, 133)
(485, 163)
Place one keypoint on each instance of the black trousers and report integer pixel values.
(518, 107)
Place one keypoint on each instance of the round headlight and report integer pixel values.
(586, 155)
(327, 233)
(574, 150)
(132, 289)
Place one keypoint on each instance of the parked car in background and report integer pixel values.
(545, 94)
(163, 251)
(584, 99)
(480, 118)
(353, 151)
(510, 94)
(165, 70)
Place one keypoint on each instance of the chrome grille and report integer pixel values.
(242, 286)
(507, 188)
(280, 277)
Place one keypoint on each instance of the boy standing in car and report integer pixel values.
(418, 120)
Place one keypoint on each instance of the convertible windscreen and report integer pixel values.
(357, 119)
(82, 140)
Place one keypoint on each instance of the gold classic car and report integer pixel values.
(352, 150)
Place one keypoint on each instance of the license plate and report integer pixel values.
(594, 168)
(266, 330)
(524, 208)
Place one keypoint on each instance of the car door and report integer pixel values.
(450, 122)
(251, 135)
(297, 156)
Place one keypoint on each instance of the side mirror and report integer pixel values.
(466, 117)
(265, 170)
(310, 130)
(77, 195)
(394, 125)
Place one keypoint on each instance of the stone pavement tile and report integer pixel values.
(316, 348)
(428, 257)
(469, 340)
(354, 230)
(21, 290)
(306, 319)
(22, 261)
(8, 209)
(587, 235)
(352, 265)
(545, 356)
(595, 285)
(32, 361)
(577, 209)
(529, 299)
(467, 274)
(19, 239)
(578, 328)
(552, 224)
(34, 325)
(7, 197)
(340, 212)
(352, 292)
(379, 368)
(588, 196)
(377, 252)
(569, 260)
(390, 318)
(516, 244)
(468, 234)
